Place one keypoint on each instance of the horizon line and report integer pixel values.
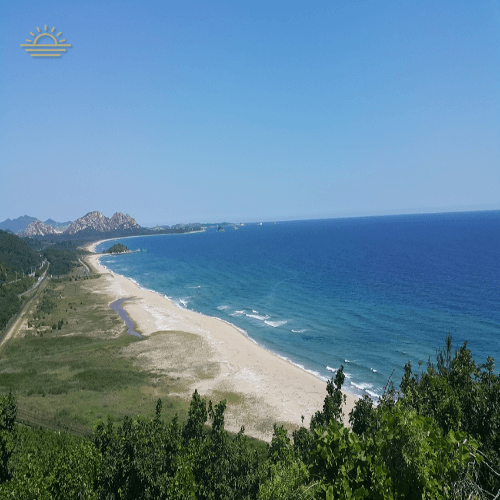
(292, 219)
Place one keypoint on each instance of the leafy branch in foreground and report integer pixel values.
(437, 437)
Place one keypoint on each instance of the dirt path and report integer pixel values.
(88, 270)
(14, 328)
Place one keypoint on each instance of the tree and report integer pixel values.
(8, 413)
(332, 406)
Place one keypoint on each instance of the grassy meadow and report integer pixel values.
(68, 366)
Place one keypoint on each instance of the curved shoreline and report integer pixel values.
(232, 325)
(287, 390)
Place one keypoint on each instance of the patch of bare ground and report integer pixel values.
(188, 359)
(179, 355)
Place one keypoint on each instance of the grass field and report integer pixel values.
(68, 365)
(71, 363)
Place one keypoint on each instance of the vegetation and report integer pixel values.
(10, 304)
(17, 254)
(62, 261)
(18, 258)
(68, 365)
(117, 248)
(12, 284)
(435, 438)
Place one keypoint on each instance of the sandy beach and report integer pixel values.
(216, 358)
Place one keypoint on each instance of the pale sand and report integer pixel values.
(217, 359)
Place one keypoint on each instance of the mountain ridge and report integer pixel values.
(92, 221)
(17, 225)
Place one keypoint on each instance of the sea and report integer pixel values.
(367, 293)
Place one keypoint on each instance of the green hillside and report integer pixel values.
(17, 254)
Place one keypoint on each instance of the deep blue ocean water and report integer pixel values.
(369, 293)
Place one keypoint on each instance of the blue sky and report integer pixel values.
(244, 111)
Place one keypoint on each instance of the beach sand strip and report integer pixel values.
(218, 360)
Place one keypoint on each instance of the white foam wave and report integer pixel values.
(330, 369)
(236, 313)
(312, 372)
(255, 312)
(221, 308)
(300, 331)
(362, 386)
(182, 302)
(199, 286)
(346, 361)
(256, 316)
(373, 370)
(372, 394)
(275, 324)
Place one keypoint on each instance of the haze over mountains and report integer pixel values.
(17, 225)
(21, 223)
(93, 221)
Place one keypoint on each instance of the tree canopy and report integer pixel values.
(117, 248)
(16, 253)
(436, 437)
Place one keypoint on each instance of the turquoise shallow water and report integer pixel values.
(368, 293)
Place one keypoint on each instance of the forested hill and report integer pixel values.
(16, 253)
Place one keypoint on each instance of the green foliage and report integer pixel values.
(288, 480)
(151, 459)
(348, 467)
(16, 253)
(10, 304)
(61, 261)
(362, 416)
(422, 460)
(49, 465)
(413, 445)
(460, 396)
(47, 304)
(8, 412)
(335, 399)
(117, 248)
(197, 418)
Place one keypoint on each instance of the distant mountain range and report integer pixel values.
(92, 222)
(57, 225)
(21, 223)
(17, 225)
(92, 226)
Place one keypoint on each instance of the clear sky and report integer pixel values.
(184, 111)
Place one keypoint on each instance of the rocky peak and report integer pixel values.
(123, 221)
(101, 223)
(38, 228)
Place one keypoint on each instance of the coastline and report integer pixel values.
(268, 388)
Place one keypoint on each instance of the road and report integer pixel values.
(88, 271)
(14, 328)
(40, 279)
